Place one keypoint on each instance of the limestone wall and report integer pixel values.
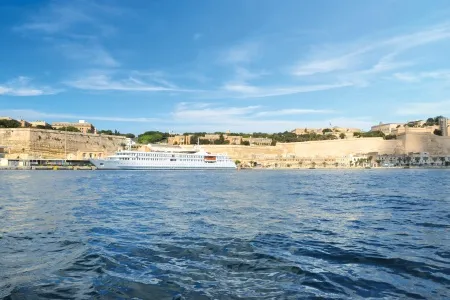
(417, 142)
(39, 143)
(238, 152)
(338, 148)
(430, 143)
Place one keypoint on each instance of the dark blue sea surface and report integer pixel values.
(225, 235)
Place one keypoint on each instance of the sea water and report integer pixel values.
(225, 234)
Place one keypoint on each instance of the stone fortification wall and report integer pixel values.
(246, 153)
(39, 143)
(425, 142)
(406, 143)
(318, 149)
(339, 148)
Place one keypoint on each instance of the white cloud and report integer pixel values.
(74, 29)
(425, 108)
(104, 82)
(29, 114)
(249, 91)
(294, 111)
(206, 111)
(358, 55)
(419, 76)
(324, 66)
(89, 52)
(21, 86)
(209, 117)
(64, 17)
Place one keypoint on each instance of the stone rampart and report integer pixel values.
(39, 143)
(404, 144)
(425, 142)
(339, 148)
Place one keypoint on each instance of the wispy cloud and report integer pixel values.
(250, 91)
(90, 52)
(65, 17)
(294, 111)
(21, 86)
(324, 66)
(75, 29)
(379, 54)
(425, 108)
(209, 111)
(251, 119)
(419, 76)
(200, 116)
(30, 114)
(133, 83)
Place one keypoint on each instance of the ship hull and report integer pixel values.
(104, 164)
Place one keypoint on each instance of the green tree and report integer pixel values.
(69, 129)
(150, 137)
(390, 137)
(107, 132)
(245, 143)
(342, 136)
(9, 124)
(430, 122)
(437, 132)
(47, 127)
(326, 130)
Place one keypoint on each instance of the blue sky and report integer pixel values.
(239, 65)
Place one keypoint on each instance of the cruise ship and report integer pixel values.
(165, 158)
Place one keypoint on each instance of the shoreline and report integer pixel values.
(71, 168)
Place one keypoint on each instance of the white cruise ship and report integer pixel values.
(164, 158)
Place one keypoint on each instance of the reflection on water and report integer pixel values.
(225, 235)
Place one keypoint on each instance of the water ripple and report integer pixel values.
(225, 235)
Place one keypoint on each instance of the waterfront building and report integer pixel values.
(82, 126)
(443, 126)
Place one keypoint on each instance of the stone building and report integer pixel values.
(82, 126)
(258, 141)
(443, 126)
(233, 139)
(336, 131)
(386, 128)
(39, 123)
(179, 140)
